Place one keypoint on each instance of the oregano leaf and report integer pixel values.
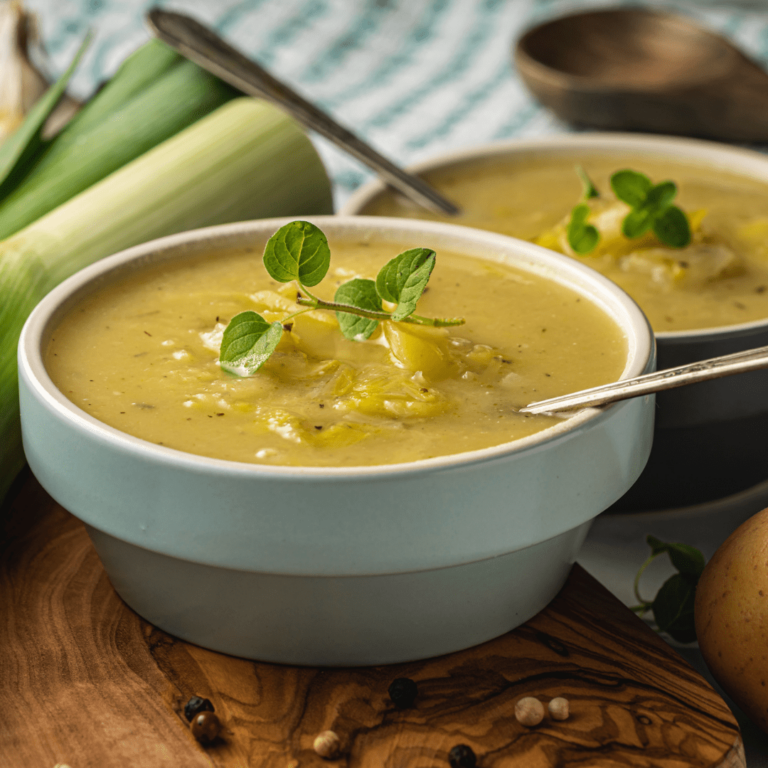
(248, 342)
(362, 294)
(672, 228)
(637, 222)
(673, 607)
(298, 251)
(631, 187)
(657, 545)
(582, 237)
(402, 280)
(684, 557)
(662, 195)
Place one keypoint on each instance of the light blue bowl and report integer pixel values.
(363, 565)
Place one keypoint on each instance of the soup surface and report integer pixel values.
(720, 279)
(142, 356)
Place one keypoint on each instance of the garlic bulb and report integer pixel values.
(21, 82)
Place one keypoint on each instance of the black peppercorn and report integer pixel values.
(462, 756)
(196, 704)
(402, 691)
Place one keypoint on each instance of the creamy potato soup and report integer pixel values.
(720, 279)
(142, 356)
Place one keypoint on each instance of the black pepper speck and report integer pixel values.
(462, 756)
(196, 705)
(403, 692)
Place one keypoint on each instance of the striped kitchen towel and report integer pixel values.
(412, 77)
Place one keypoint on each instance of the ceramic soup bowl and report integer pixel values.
(329, 565)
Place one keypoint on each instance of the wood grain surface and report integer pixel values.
(85, 682)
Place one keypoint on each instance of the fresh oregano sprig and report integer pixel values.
(673, 605)
(651, 209)
(583, 237)
(299, 252)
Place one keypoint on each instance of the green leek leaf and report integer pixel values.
(26, 142)
(108, 134)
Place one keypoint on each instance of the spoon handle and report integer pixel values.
(714, 368)
(203, 46)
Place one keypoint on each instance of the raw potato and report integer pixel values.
(731, 615)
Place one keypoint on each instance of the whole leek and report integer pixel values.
(155, 94)
(245, 160)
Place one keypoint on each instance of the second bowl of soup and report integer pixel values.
(707, 298)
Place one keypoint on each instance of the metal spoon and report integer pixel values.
(203, 46)
(714, 368)
(643, 69)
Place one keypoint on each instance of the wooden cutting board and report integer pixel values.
(84, 681)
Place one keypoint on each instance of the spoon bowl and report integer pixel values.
(646, 70)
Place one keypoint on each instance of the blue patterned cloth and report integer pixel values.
(412, 77)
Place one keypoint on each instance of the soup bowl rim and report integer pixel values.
(640, 355)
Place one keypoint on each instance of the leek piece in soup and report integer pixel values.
(142, 356)
(720, 279)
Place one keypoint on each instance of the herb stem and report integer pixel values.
(307, 292)
(295, 314)
(636, 585)
(312, 302)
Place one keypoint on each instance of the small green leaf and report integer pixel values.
(403, 280)
(582, 237)
(298, 251)
(662, 195)
(363, 295)
(673, 607)
(685, 558)
(631, 187)
(672, 228)
(657, 545)
(637, 222)
(248, 342)
(588, 189)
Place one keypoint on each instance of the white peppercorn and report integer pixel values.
(327, 744)
(559, 709)
(529, 711)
